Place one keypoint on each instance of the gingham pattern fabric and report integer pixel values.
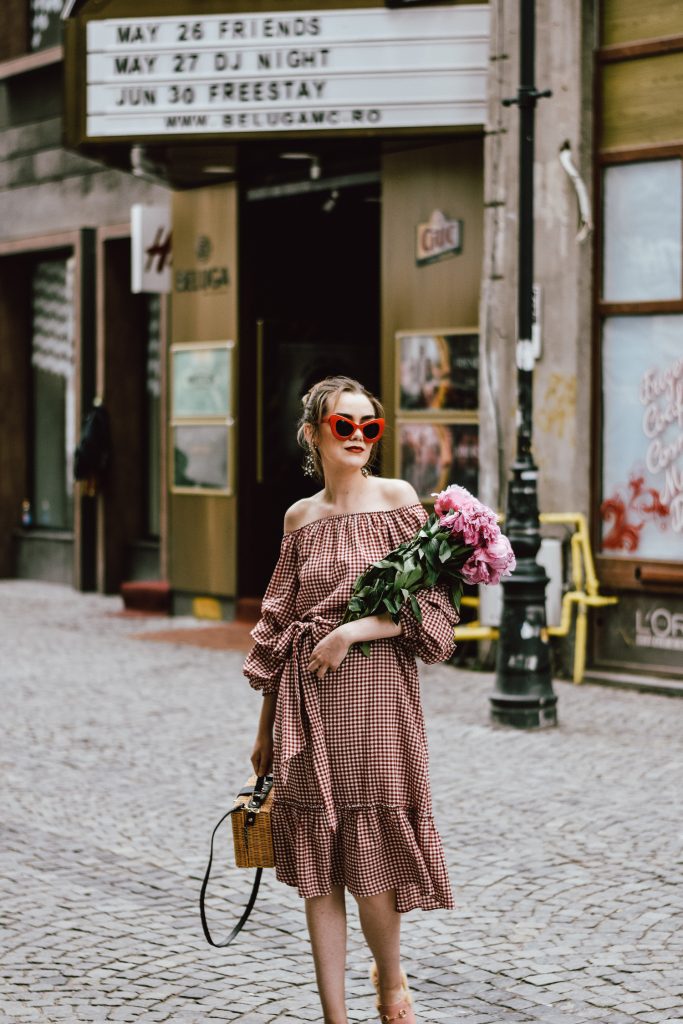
(352, 802)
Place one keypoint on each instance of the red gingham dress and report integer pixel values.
(351, 796)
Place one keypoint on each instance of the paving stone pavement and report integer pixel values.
(564, 845)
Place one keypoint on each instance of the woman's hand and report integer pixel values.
(262, 754)
(328, 654)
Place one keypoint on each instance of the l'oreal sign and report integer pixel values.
(659, 627)
(438, 239)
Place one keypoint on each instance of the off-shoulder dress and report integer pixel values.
(352, 802)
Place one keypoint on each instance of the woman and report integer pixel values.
(344, 734)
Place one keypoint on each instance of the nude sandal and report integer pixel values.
(401, 1011)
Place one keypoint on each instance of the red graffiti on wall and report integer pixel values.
(629, 514)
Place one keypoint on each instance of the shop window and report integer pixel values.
(641, 506)
(642, 459)
(153, 416)
(52, 361)
(642, 232)
(46, 25)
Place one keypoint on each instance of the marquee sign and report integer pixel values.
(362, 69)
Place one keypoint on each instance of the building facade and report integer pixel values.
(343, 188)
(70, 330)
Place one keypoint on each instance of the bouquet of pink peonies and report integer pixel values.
(460, 543)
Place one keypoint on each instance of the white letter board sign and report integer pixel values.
(368, 69)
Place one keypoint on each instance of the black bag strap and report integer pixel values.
(258, 796)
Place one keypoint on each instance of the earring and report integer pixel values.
(308, 465)
(366, 471)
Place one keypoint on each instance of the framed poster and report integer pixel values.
(437, 370)
(642, 437)
(431, 456)
(201, 458)
(201, 380)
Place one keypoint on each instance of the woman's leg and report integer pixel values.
(326, 919)
(381, 924)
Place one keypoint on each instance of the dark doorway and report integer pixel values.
(310, 279)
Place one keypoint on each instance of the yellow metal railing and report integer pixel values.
(585, 594)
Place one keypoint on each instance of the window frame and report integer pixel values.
(74, 243)
(624, 572)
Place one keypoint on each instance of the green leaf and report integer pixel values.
(444, 551)
(414, 577)
(416, 608)
(462, 549)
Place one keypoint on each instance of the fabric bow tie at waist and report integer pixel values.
(300, 722)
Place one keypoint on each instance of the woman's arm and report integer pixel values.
(262, 754)
(329, 653)
(372, 627)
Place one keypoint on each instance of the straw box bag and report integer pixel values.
(251, 825)
(253, 842)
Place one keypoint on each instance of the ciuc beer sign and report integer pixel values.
(365, 69)
(438, 238)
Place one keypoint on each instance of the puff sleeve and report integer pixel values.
(272, 638)
(432, 639)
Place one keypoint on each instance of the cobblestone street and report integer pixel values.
(120, 754)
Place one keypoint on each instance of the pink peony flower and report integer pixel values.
(460, 512)
(452, 499)
(500, 556)
(475, 571)
(487, 564)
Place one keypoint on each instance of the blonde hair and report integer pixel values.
(315, 406)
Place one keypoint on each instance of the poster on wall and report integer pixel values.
(433, 455)
(437, 370)
(200, 457)
(201, 380)
(642, 459)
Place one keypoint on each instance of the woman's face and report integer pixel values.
(353, 452)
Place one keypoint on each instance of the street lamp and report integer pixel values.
(524, 694)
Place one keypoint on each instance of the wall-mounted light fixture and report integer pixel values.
(314, 169)
(218, 169)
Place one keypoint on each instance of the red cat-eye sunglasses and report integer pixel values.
(343, 428)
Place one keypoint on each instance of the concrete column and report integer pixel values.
(563, 267)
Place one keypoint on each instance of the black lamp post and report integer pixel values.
(524, 694)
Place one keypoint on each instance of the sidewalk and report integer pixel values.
(120, 754)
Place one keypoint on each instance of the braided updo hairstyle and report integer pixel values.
(314, 404)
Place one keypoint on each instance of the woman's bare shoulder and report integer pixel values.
(398, 493)
(301, 512)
